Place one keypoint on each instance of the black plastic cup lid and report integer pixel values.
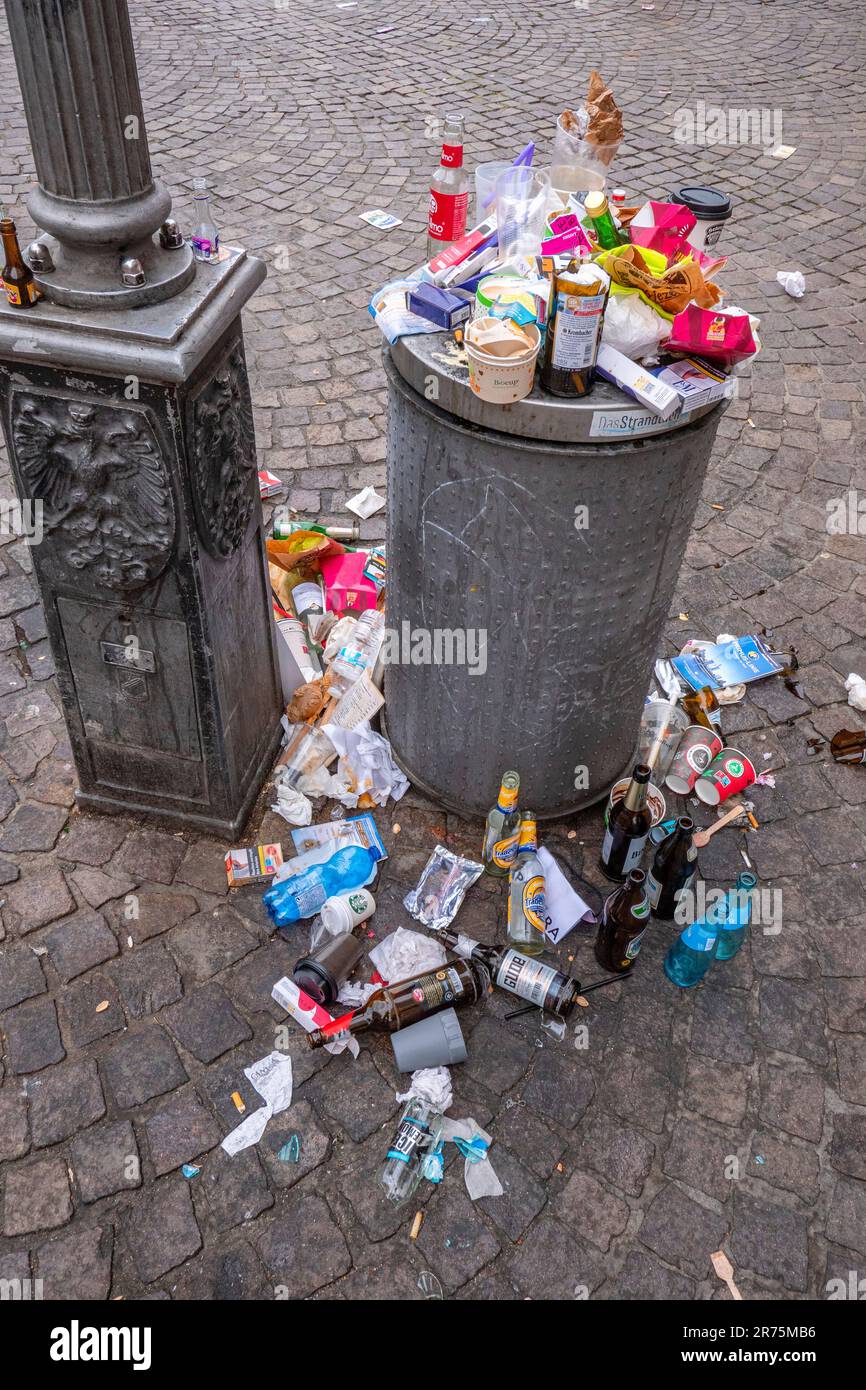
(707, 203)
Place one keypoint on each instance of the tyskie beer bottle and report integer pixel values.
(628, 827)
(528, 918)
(673, 870)
(502, 829)
(624, 920)
(396, 1005)
(18, 283)
(518, 974)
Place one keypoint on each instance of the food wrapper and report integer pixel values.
(672, 218)
(721, 337)
(605, 127)
(436, 899)
(667, 289)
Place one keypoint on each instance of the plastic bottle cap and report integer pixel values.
(436, 1041)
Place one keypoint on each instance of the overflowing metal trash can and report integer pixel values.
(533, 552)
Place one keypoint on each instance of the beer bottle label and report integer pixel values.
(507, 798)
(504, 851)
(653, 889)
(447, 215)
(635, 853)
(534, 903)
(440, 987)
(576, 329)
(526, 978)
(633, 947)
(408, 1139)
(13, 294)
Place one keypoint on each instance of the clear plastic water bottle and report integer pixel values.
(304, 894)
(417, 1134)
(735, 917)
(360, 652)
(205, 238)
(692, 954)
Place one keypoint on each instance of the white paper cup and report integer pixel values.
(343, 913)
(503, 380)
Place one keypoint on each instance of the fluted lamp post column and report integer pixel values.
(127, 414)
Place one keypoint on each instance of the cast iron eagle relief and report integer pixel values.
(103, 484)
(224, 457)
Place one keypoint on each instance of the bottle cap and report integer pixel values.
(595, 203)
(436, 1041)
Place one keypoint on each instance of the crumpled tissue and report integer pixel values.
(354, 993)
(856, 687)
(292, 805)
(632, 327)
(365, 503)
(474, 1143)
(272, 1078)
(339, 636)
(365, 765)
(405, 953)
(565, 907)
(792, 282)
(432, 1084)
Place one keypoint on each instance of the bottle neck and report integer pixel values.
(10, 243)
(452, 150)
(636, 795)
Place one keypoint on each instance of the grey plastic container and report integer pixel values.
(486, 537)
(433, 1042)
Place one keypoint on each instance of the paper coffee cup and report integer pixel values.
(499, 379)
(343, 913)
(696, 751)
(730, 772)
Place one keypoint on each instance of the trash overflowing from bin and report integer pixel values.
(561, 281)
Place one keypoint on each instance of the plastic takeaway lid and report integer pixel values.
(707, 203)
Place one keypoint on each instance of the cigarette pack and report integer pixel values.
(696, 382)
(638, 382)
(269, 483)
(458, 251)
(438, 305)
(468, 269)
(252, 865)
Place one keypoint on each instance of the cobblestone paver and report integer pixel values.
(733, 1116)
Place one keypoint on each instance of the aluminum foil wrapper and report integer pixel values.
(440, 890)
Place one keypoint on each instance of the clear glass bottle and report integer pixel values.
(502, 828)
(528, 918)
(449, 191)
(417, 1134)
(205, 239)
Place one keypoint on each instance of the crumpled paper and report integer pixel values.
(432, 1084)
(354, 993)
(365, 503)
(792, 282)
(478, 1174)
(565, 907)
(366, 765)
(292, 805)
(272, 1078)
(856, 687)
(630, 326)
(405, 953)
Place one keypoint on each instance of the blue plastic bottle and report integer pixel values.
(692, 954)
(735, 918)
(303, 894)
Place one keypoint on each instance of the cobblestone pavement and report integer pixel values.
(618, 1161)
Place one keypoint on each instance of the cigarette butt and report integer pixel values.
(752, 822)
(416, 1225)
(238, 1102)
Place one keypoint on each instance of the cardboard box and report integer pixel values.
(696, 382)
(638, 382)
(439, 306)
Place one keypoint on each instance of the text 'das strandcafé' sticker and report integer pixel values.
(619, 423)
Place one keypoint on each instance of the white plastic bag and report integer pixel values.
(632, 327)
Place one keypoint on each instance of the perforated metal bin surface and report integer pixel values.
(557, 624)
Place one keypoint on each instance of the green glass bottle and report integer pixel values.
(596, 206)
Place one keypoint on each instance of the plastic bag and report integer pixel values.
(632, 327)
(523, 200)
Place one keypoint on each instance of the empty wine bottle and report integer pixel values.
(673, 870)
(624, 919)
(734, 917)
(417, 1134)
(396, 1005)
